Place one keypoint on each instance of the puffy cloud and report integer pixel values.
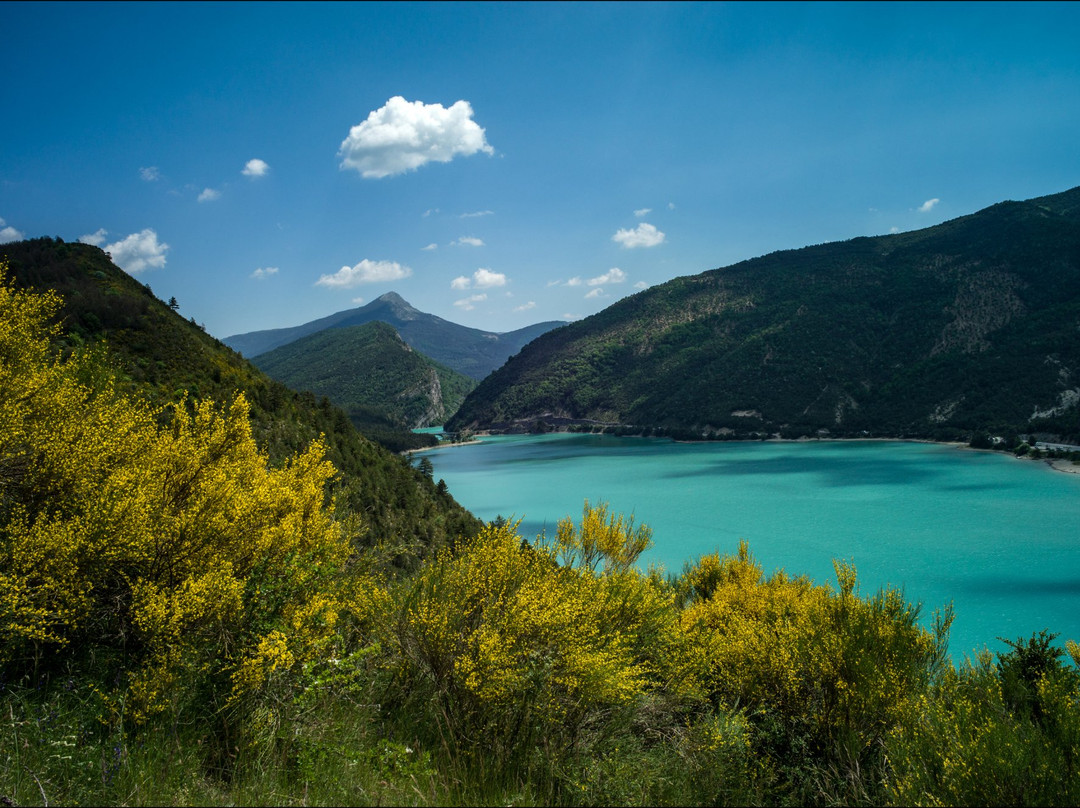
(365, 272)
(255, 168)
(613, 275)
(469, 303)
(431, 246)
(928, 205)
(641, 285)
(482, 279)
(642, 212)
(150, 173)
(476, 213)
(469, 241)
(575, 281)
(97, 238)
(9, 233)
(644, 235)
(402, 136)
(262, 273)
(358, 300)
(485, 278)
(595, 293)
(209, 195)
(138, 251)
(526, 306)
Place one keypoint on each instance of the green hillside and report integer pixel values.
(160, 355)
(967, 326)
(369, 367)
(469, 351)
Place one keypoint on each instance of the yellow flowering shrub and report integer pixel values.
(177, 542)
(513, 646)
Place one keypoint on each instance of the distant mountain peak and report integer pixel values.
(398, 305)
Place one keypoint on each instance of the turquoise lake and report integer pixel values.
(996, 536)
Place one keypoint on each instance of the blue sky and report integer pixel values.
(503, 164)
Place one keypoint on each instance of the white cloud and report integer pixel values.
(365, 272)
(402, 136)
(928, 205)
(97, 238)
(483, 278)
(595, 293)
(613, 275)
(894, 229)
(468, 241)
(255, 168)
(574, 282)
(209, 195)
(571, 316)
(138, 251)
(644, 235)
(641, 285)
(476, 213)
(431, 246)
(358, 300)
(262, 273)
(671, 206)
(8, 233)
(469, 303)
(430, 211)
(150, 174)
(642, 212)
(526, 306)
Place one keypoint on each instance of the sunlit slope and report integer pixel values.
(970, 325)
(369, 367)
(162, 355)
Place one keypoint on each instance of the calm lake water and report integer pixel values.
(996, 536)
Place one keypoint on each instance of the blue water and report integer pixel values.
(996, 536)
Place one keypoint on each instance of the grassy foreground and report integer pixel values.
(183, 621)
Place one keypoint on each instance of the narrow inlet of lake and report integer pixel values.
(996, 536)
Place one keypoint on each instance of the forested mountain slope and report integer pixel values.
(367, 368)
(161, 355)
(970, 325)
(469, 351)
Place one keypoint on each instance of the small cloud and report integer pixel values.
(138, 252)
(571, 317)
(468, 241)
(97, 238)
(358, 300)
(469, 303)
(429, 211)
(526, 306)
(642, 212)
(482, 279)
(262, 273)
(150, 174)
(595, 293)
(255, 168)
(209, 195)
(365, 272)
(431, 246)
(476, 213)
(575, 281)
(641, 285)
(8, 233)
(402, 136)
(644, 235)
(894, 229)
(613, 275)
(928, 205)
(671, 206)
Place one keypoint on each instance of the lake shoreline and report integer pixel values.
(1060, 465)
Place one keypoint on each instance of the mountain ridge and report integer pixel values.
(470, 351)
(973, 324)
